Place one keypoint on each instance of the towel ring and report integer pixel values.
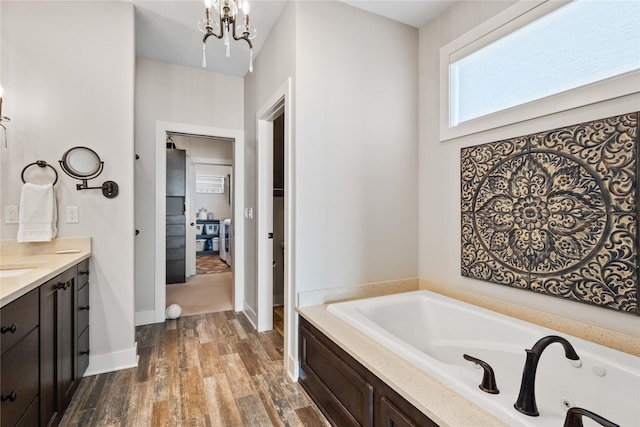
(42, 164)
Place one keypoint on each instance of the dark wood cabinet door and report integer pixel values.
(57, 346)
(67, 337)
(50, 410)
(343, 394)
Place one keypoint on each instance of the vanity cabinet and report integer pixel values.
(45, 349)
(347, 393)
(19, 362)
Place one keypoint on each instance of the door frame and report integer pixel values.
(280, 101)
(162, 127)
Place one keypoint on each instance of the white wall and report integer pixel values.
(217, 203)
(171, 93)
(274, 64)
(440, 174)
(67, 84)
(356, 147)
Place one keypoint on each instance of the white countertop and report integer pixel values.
(441, 404)
(42, 260)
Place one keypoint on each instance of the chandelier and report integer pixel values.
(225, 27)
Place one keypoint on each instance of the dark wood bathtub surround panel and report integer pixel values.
(556, 212)
(346, 392)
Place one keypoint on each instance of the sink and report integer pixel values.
(13, 272)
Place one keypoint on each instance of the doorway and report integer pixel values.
(278, 104)
(236, 192)
(205, 281)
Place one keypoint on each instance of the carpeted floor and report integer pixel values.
(209, 264)
(203, 293)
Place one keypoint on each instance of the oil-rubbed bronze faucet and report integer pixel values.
(574, 418)
(488, 384)
(526, 402)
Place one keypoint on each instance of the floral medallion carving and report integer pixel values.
(556, 212)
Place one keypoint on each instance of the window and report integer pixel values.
(537, 59)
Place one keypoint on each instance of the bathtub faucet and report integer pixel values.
(526, 402)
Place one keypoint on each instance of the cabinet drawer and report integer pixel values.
(175, 254)
(20, 316)
(19, 378)
(83, 353)
(83, 273)
(175, 242)
(83, 309)
(175, 219)
(175, 230)
(345, 395)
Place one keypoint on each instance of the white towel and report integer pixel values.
(38, 214)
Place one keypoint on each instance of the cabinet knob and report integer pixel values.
(83, 273)
(85, 352)
(10, 397)
(83, 307)
(13, 328)
(64, 285)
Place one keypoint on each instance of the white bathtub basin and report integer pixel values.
(433, 332)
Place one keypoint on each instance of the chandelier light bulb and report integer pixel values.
(204, 55)
(227, 24)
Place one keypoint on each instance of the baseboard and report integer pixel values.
(124, 359)
(278, 299)
(145, 317)
(293, 368)
(250, 314)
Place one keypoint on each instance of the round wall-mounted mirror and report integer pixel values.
(84, 164)
(81, 162)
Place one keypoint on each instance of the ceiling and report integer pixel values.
(166, 30)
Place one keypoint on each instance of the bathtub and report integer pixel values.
(433, 332)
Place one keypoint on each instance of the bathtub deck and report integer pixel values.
(438, 402)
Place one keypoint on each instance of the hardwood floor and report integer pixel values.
(205, 370)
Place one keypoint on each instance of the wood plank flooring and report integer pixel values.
(205, 370)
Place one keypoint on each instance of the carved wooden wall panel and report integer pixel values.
(556, 212)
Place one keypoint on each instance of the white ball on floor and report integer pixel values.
(173, 311)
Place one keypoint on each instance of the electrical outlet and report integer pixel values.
(11, 215)
(72, 214)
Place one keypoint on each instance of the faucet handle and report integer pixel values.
(488, 378)
(574, 418)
